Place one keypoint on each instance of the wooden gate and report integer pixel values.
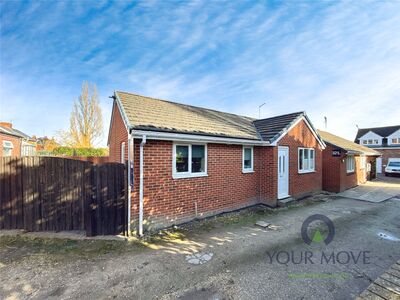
(58, 194)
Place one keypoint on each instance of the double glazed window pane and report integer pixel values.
(198, 159)
(312, 159)
(190, 159)
(182, 159)
(306, 159)
(247, 158)
(350, 163)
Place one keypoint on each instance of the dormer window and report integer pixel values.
(371, 142)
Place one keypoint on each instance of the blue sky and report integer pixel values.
(334, 59)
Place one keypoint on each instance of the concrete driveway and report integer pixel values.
(378, 190)
(240, 266)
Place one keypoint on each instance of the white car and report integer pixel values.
(393, 167)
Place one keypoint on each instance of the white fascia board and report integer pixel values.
(179, 137)
(351, 152)
(394, 134)
(320, 141)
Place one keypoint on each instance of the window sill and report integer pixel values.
(350, 172)
(193, 175)
(306, 172)
(247, 171)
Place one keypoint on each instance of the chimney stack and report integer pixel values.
(6, 124)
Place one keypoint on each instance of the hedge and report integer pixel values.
(68, 151)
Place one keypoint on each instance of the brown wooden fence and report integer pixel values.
(57, 194)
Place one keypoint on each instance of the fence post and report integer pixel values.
(88, 199)
(127, 226)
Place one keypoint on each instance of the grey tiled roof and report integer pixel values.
(381, 131)
(14, 132)
(145, 113)
(271, 128)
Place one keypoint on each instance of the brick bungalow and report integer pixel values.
(385, 140)
(14, 142)
(345, 164)
(189, 162)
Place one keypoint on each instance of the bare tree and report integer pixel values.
(86, 122)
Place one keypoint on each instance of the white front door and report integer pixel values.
(379, 165)
(283, 172)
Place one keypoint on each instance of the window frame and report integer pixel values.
(309, 169)
(248, 170)
(9, 146)
(353, 164)
(28, 149)
(395, 141)
(189, 174)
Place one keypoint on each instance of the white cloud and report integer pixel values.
(340, 60)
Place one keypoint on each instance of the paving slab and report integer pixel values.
(375, 191)
(387, 286)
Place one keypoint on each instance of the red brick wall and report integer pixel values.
(386, 154)
(16, 142)
(168, 201)
(118, 134)
(335, 176)
(93, 159)
(302, 184)
(331, 174)
(349, 180)
(268, 174)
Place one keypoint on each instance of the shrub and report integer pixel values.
(68, 151)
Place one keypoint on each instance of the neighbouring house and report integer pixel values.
(345, 164)
(190, 162)
(386, 140)
(15, 142)
(45, 144)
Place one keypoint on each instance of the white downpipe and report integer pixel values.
(141, 186)
(130, 158)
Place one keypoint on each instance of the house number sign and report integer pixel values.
(336, 152)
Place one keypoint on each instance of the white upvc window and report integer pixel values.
(395, 141)
(7, 148)
(350, 163)
(28, 149)
(363, 162)
(371, 142)
(189, 160)
(122, 153)
(306, 160)
(247, 159)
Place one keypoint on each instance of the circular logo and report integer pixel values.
(317, 237)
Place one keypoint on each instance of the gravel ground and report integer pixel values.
(37, 268)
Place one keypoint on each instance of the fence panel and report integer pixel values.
(58, 194)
